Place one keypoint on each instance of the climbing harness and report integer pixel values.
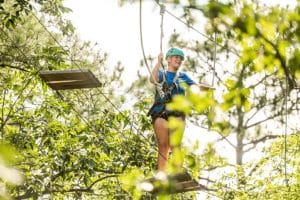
(166, 94)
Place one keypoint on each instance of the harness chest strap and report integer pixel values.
(164, 88)
(163, 94)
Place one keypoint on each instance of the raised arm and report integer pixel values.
(156, 69)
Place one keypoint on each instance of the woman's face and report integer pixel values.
(174, 61)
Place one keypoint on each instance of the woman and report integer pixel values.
(170, 81)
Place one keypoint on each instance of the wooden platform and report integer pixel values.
(186, 186)
(178, 183)
(70, 79)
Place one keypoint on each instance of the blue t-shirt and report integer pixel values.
(182, 77)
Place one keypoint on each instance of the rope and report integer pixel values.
(162, 11)
(142, 46)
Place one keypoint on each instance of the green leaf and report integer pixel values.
(177, 128)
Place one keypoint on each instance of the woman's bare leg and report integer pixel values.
(162, 135)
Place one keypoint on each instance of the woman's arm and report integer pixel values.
(155, 70)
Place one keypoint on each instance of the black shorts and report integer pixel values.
(166, 114)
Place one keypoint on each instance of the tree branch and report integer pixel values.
(227, 140)
(262, 105)
(216, 167)
(88, 189)
(212, 181)
(101, 179)
(291, 79)
(263, 139)
(15, 102)
(13, 67)
(264, 120)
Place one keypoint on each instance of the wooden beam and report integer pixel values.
(179, 183)
(70, 79)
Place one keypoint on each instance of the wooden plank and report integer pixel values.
(180, 182)
(70, 79)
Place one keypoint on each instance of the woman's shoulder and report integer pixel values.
(182, 74)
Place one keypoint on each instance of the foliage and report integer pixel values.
(14, 11)
(8, 175)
